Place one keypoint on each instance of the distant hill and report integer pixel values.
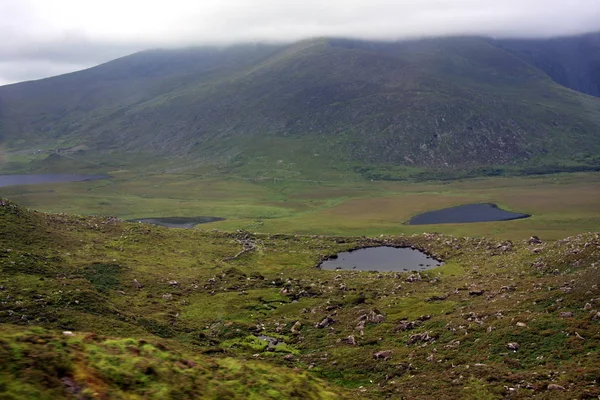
(445, 104)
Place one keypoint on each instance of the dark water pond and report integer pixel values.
(383, 258)
(178, 222)
(467, 213)
(34, 179)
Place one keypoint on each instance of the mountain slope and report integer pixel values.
(572, 61)
(449, 103)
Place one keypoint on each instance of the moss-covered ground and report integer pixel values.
(170, 313)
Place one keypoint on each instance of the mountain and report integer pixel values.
(450, 103)
(572, 61)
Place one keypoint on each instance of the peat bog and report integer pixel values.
(467, 213)
(381, 259)
(35, 179)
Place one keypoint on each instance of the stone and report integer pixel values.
(554, 386)
(534, 240)
(587, 306)
(513, 346)
(566, 314)
(382, 355)
(68, 333)
(327, 321)
(137, 284)
(348, 340)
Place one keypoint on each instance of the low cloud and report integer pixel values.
(43, 38)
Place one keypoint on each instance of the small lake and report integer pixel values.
(177, 222)
(468, 213)
(35, 179)
(382, 259)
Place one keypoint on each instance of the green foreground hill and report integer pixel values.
(384, 109)
(93, 307)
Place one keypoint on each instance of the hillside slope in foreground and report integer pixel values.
(93, 307)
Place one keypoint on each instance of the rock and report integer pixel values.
(414, 278)
(596, 317)
(348, 340)
(431, 358)
(382, 355)
(70, 385)
(327, 321)
(296, 327)
(476, 292)
(554, 386)
(534, 240)
(68, 333)
(137, 284)
(405, 325)
(288, 357)
(521, 325)
(566, 314)
(513, 346)
(173, 283)
(167, 296)
(587, 306)
(420, 337)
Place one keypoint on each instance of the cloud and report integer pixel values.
(48, 37)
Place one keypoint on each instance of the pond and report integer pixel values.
(382, 259)
(468, 213)
(35, 179)
(178, 222)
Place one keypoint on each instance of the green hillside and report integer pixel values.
(444, 104)
(93, 307)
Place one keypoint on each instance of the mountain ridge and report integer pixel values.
(447, 103)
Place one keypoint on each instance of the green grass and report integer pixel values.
(561, 205)
(68, 272)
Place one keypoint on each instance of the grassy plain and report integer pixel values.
(561, 204)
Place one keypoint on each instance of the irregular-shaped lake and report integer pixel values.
(382, 259)
(178, 222)
(35, 179)
(468, 213)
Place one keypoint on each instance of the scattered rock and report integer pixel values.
(167, 296)
(173, 283)
(382, 355)
(420, 337)
(513, 346)
(296, 327)
(137, 284)
(405, 325)
(70, 385)
(587, 306)
(414, 278)
(288, 357)
(554, 386)
(327, 321)
(534, 240)
(348, 340)
(521, 325)
(566, 314)
(476, 292)
(68, 333)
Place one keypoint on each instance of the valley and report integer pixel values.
(390, 220)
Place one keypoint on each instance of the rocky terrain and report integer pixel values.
(94, 307)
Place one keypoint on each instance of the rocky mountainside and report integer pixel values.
(438, 103)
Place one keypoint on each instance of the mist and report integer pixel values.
(47, 38)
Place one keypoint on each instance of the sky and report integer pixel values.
(43, 38)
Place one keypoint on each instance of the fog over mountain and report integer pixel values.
(49, 38)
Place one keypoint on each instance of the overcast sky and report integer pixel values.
(48, 37)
